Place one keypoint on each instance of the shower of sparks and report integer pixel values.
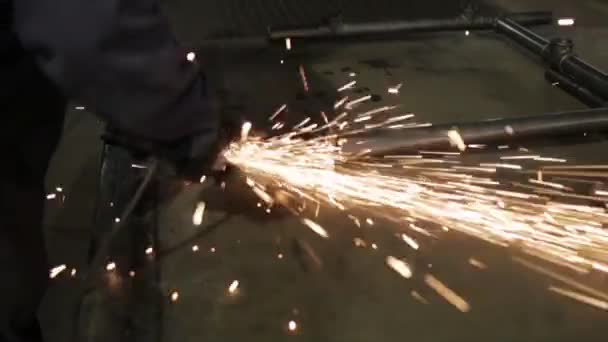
(471, 203)
(448, 294)
(55, 271)
(430, 193)
(199, 212)
(580, 297)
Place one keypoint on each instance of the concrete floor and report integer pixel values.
(352, 296)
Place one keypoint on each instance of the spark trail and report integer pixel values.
(435, 193)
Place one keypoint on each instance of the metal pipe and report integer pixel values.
(557, 54)
(572, 88)
(585, 74)
(522, 35)
(339, 29)
(382, 142)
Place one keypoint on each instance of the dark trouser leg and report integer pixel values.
(32, 118)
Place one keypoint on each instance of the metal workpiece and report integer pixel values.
(521, 35)
(558, 54)
(571, 87)
(585, 74)
(337, 28)
(499, 131)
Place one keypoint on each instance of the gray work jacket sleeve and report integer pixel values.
(119, 58)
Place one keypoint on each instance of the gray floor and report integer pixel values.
(352, 296)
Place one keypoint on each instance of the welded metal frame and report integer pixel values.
(563, 68)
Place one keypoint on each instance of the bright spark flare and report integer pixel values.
(55, 271)
(566, 21)
(191, 56)
(315, 227)
(448, 294)
(199, 213)
(580, 297)
(292, 326)
(245, 130)
(399, 266)
(234, 286)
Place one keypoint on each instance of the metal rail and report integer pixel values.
(337, 28)
(558, 55)
(383, 142)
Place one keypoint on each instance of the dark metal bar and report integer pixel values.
(522, 35)
(572, 88)
(339, 29)
(382, 142)
(584, 73)
(557, 54)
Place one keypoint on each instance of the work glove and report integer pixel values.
(191, 157)
(203, 155)
(199, 154)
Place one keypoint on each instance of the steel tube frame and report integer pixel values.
(558, 55)
(339, 29)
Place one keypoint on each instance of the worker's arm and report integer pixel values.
(119, 58)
